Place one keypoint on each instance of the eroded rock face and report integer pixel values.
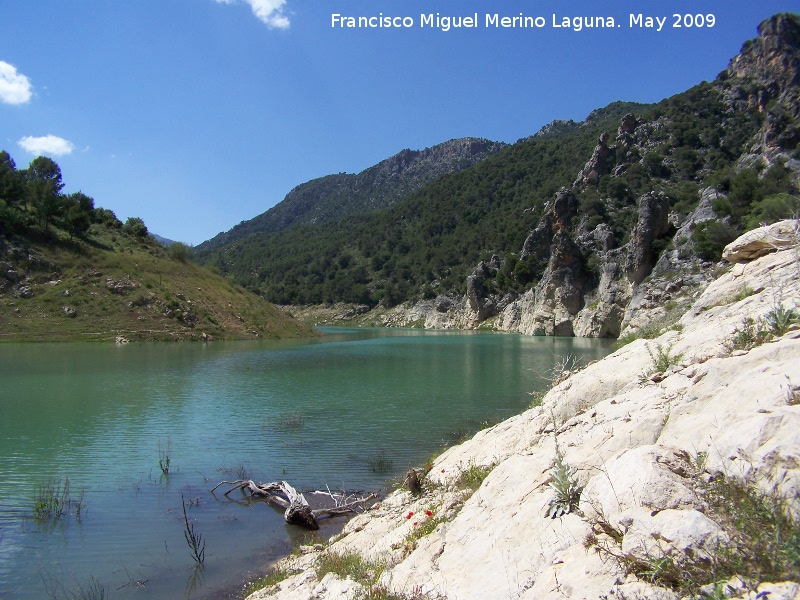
(600, 164)
(652, 224)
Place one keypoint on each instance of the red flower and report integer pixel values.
(410, 514)
(430, 467)
(415, 523)
(429, 513)
(376, 507)
(442, 470)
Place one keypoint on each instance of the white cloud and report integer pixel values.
(270, 12)
(47, 144)
(15, 88)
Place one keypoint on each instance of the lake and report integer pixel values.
(350, 410)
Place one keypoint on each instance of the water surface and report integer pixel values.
(314, 412)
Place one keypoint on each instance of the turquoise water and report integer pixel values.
(314, 412)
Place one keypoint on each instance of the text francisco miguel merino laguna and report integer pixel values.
(495, 20)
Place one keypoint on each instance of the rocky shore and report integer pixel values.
(614, 485)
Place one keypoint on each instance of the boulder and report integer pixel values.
(761, 241)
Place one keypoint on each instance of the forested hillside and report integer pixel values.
(73, 271)
(737, 135)
(336, 196)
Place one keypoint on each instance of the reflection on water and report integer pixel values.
(315, 412)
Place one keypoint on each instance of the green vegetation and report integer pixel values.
(472, 477)
(52, 502)
(164, 455)
(365, 573)
(779, 320)
(761, 542)
(380, 463)
(567, 491)
(662, 359)
(274, 577)
(427, 243)
(194, 540)
(73, 271)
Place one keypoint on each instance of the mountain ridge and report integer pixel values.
(335, 196)
(664, 188)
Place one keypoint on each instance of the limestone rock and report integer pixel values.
(635, 447)
(763, 240)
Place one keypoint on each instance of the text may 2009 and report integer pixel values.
(522, 21)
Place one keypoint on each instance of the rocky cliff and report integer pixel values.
(668, 469)
(638, 263)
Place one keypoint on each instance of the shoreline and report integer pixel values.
(658, 437)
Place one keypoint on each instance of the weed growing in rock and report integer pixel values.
(761, 541)
(349, 564)
(747, 336)
(565, 487)
(274, 577)
(780, 320)
(472, 477)
(537, 398)
(663, 358)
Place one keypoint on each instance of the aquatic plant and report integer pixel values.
(195, 541)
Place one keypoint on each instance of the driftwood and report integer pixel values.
(298, 511)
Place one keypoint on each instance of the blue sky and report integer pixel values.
(197, 114)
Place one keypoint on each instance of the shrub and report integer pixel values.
(180, 251)
(710, 238)
(135, 226)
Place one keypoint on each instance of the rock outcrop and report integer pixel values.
(761, 241)
(643, 446)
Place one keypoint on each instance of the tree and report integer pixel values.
(44, 189)
(12, 193)
(135, 227)
(12, 190)
(79, 209)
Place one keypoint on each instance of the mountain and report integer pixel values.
(162, 240)
(335, 196)
(587, 229)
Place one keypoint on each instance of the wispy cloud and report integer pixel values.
(270, 12)
(15, 88)
(46, 144)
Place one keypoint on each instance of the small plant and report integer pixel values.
(747, 336)
(743, 293)
(288, 421)
(195, 541)
(562, 368)
(421, 529)
(780, 320)
(239, 472)
(348, 564)
(663, 358)
(536, 398)
(52, 501)
(164, 453)
(566, 488)
(93, 591)
(274, 577)
(472, 477)
(380, 463)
